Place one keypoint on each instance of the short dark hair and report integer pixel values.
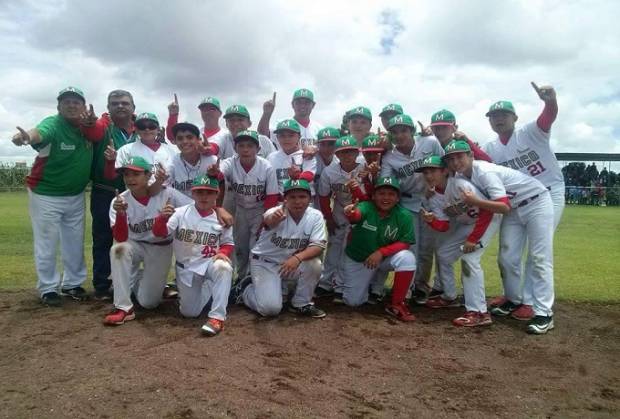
(119, 93)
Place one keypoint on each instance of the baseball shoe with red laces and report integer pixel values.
(212, 327)
(524, 312)
(441, 303)
(473, 319)
(118, 317)
(400, 311)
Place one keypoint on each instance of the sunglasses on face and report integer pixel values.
(145, 127)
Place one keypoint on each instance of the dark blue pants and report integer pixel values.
(100, 200)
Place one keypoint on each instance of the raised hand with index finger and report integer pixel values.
(21, 138)
(546, 93)
(270, 105)
(173, 108)
(168, 209)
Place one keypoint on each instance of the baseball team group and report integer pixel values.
(295, 212)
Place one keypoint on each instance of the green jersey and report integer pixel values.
(373, 231)
(119, 138)
(62, 167)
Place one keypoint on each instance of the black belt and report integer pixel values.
(527, 201)
(104, 187)
(180, 265)
(257, 257)
(164, 243)
(406, 195)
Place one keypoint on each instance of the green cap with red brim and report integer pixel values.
(443, 117)
(288, 125)
(205, 182)
(501, 106)
(215, 102)
(303, 93)
(457, 146)
(390, 181)
(247, 135)
(431, 161)
(137, 164)
(292, 184)
(362, 111)
(401, 120)
(328, 134)
(237, 110)
(391, 109)
(372, 143)
(346, 143)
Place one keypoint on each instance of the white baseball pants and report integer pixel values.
(148, 285)
(54, 219)
(195, 290)
(247, 223)
(531, 224)
(356, 277)
(265, 294)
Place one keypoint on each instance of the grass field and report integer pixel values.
(587, 250)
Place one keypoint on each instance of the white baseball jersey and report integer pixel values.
(320, 166)
(289, 237)
(496, 181)
(308, 135)
(218, 137)
(395, 163)
(249, 188)
(140, 218)
(182, 174)
(196, 238)
(163, 155)
(227, 146)
(454, 205)
(282, 161)
(528, 150)
(333, 183)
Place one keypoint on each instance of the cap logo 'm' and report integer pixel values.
(439, 117)
(387, 180)
(498, 106)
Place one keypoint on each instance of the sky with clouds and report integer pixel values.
(425, 55)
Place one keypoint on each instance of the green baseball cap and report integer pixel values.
(457, 146)
(501, 106)
(137, 163)
(431, 161)
(71, 91)
(443, 117)
(288, 125)
(206, 182)
(247, 135)
(328, 134)
(303, 93)
(210, 101)
(239, 110)
(147, 116)
(404, 120)
(292, 184)
(362, 111)
(387, 181)
(346, 143)
(393, 108)
(372, 143)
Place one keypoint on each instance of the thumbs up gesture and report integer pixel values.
(110, 151)
(168, 209)
(21, 138)
(546, 93)
(352, 183)
(173, 108)
(119, 205)
(270, 105)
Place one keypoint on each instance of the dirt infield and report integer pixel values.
(65, 363)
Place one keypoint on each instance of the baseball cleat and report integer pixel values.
(400, 311)
(103, 295)
(77, 293)
(212, 327)
(338, 298)
(504, 309)
(524, 313)
(51, 299)
(540, 325)
(419, 297)
(497, 301)
(322, 292)
(118, 317)
(236, 293)
(441, 303)
(473, 319)
(374, 298)
(309, 310)
(435, 294)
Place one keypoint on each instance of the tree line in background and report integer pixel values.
(585, 185)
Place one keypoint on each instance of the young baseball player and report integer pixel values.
(380, 239)
(464, 233)
(360, 123)
(388, 112)
(445, 129)
(210, 112)
(528, 211)
(288, 161)
(202, 248)
(287, 254)
(528, 150)
(190, 162)
(302, 104)
(336, 182)
(406, 156)
(253, 182)
(372, 150)
(326, 138)
(132, 215)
